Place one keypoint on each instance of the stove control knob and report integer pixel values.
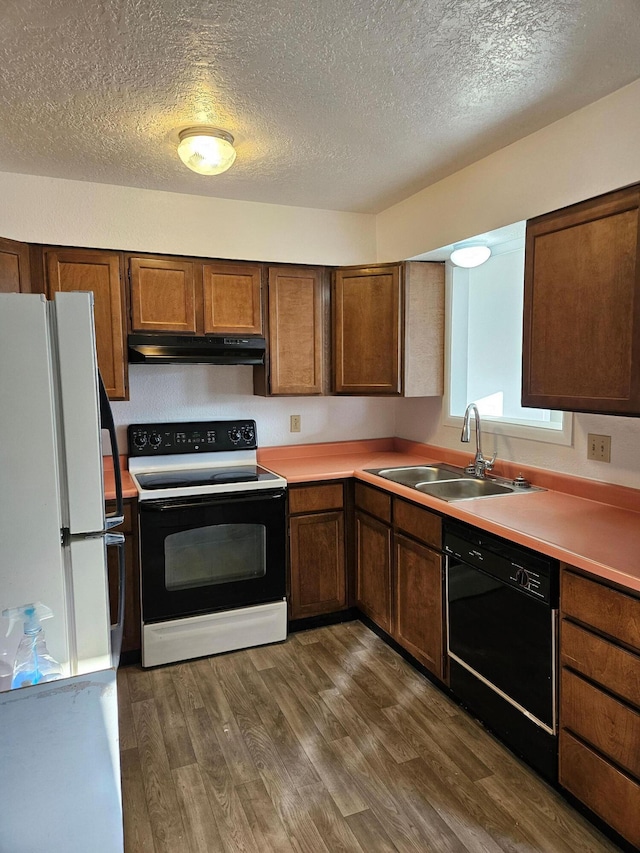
(139, 439)
(155, 440)
(234, 435)
(522, 576)
(248, 433)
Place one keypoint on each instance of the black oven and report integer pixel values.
(502, 605)
(207, 554)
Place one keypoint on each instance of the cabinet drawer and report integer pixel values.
(607, 610)
(418, 522)
(315, 498)
(374, 502)
(615, 668)
(603, 788)
(605, 723)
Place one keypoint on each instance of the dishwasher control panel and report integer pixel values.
(532, 573)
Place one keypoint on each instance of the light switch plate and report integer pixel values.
(294, 423)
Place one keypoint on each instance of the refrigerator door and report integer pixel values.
(60, 780)
(79, 428)
(31, 559)
(90, 628)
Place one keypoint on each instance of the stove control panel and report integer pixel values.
(191, 437)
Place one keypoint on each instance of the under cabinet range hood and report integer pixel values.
(212, 349)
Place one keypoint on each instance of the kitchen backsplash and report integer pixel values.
(208, 392)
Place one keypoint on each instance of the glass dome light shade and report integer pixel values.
(206, 150)
(470, 256)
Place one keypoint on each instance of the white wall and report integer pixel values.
(213, 392)
(582, 155)
(74, 213)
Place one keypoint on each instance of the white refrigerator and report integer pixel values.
(60, 778)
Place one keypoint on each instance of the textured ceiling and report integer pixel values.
(338, 104)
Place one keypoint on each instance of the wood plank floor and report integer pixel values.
(328, 742)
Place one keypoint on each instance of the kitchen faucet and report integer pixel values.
(480, 465)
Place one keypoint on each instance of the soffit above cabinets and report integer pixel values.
(343, 104)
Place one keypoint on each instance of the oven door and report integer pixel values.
(208, 554)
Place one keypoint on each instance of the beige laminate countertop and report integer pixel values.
(598, 537)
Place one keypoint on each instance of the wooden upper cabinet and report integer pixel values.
(389, 329)
(581, 335)
(368, 316)
(296, 307)
(232, 298)
(163, 295)
(14, 267)
(101, 273)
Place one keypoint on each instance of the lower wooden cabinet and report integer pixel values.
(399, 573)
(418, 602)
(317, 564)
(131, 637)
(373, 569)
(600, 700)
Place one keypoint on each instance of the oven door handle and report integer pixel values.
(163, 506)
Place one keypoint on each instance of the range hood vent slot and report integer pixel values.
(213, 349)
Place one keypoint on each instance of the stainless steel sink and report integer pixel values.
(452, 484)
(461, 490)
(411, 476)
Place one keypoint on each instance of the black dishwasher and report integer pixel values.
(502, 614)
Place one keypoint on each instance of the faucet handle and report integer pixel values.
(489, 463)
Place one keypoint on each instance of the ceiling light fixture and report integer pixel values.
(470, 255)
(206, 150)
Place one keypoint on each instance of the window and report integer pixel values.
(484, 348)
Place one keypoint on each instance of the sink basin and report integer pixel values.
(411, 476)
(450, 483)
(460, 490)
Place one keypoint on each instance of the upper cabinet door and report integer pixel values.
(581, 335)
(296, 339)
(232, 298)
(163, 295)
(14, 267)
(367, 333)
(100, 272)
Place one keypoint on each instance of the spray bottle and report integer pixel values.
(33, 662)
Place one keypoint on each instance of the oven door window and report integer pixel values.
(212, 554)
(217, 554)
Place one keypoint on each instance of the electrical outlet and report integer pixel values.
(599, 447)
(294, 423)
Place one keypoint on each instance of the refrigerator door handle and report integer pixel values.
(117, 540)
(116, 518)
